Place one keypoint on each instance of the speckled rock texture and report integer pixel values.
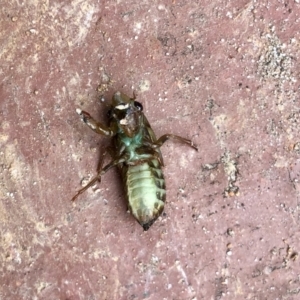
(223, 73)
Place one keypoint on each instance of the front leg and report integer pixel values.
(94, 125)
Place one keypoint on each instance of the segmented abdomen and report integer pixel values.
(146, 191)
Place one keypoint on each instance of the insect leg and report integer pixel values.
(167, 136)
(86, 187)
(108, 150)
(101, 172)
(94, 125)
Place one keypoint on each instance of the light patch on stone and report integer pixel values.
(79, 111)
(137, 27)
(144, 85)
(4, 138)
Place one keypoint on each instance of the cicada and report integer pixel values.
(136, 152)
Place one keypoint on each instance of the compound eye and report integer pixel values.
(138, 105)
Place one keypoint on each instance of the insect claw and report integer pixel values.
(74, 198)
(194, 146)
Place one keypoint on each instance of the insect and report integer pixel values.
(136, 152)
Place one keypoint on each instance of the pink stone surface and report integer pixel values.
(223, 73)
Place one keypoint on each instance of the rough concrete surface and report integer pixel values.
(223, 73)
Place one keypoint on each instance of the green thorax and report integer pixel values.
(130, 145)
